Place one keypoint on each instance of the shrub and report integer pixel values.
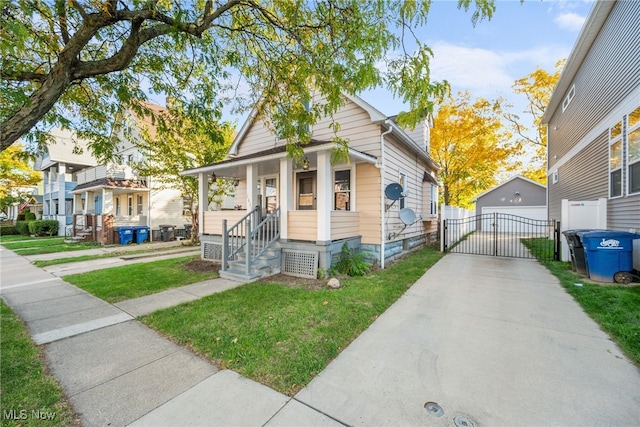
(21, 217)
(7, 230)
(44, 227)
(351, 262)
(22, 227)
(29, 216)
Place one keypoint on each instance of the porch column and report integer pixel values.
(203, 200)
(286, 195)
(90, 202)
(62, 205)
(77, 204)
(324, 193)
(252, 184)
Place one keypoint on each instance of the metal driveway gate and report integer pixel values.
(500, 234)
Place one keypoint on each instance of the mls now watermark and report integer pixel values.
(23, 414)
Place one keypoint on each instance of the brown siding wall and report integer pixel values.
(368, 202)
(606, 76)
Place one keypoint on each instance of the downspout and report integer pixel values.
(382, 167)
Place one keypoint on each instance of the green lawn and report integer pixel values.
(44, 245)
(616, 308)
(27, 391)
(283, 336)
(136, 280)
(66, 260)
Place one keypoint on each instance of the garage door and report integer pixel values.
(529, 212)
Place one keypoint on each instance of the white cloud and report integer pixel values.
(569, 21)
(489, 73)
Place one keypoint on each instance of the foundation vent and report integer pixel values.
(213, 251)
(300, 263)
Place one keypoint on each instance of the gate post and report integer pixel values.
(556, 240)
(443, 237)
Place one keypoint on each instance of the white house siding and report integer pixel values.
(166, 209)
(604, 79)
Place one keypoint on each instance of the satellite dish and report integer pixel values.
(393, 191)
(407, 216)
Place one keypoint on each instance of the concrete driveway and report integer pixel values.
(481, 341)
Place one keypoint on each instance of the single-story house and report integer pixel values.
(294, 218)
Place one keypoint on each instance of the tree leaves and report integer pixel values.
(471, 146)
(75, 64)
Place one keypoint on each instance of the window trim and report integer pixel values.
(617, 139)
(627, 144)
(405, 188)
(570, 95)
(351, 191)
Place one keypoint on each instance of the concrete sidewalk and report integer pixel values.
(476, 341)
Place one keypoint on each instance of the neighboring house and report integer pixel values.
(111, 196)
(518, 196)
(59, 165)
(593, 119)
(309, 210)
(593, 126)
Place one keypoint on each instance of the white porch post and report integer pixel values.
(286, 195)
(252, 184)
(324, 193)
(77, 203)
(203, 199)
(89, 202)
(62, 211)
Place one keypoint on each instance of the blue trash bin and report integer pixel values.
(126, 235)
(142, 234)
(607, 252)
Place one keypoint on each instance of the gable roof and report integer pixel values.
(596, 19)
(376, 116)
(508, 181)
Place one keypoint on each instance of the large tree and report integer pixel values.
(176, 144)
(472, 147)
(16, 177)
(537, 87)
(76, 63)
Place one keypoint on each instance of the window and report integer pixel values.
(555, 177)
(342, 190)
(271, 194)
(567, 99)
(633, 150)
(118, 207)
(130, 205)
(433, 211)
(615, 160)
(186, 206)
(402, 180)
(139, 204)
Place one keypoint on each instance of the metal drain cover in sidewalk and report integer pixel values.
(462, 421)
(434, 409)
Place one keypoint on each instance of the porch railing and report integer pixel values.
(252, 240)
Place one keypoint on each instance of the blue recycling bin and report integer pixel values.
(142, 234)
(607, 252)
(125, 235)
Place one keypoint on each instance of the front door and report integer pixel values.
(307, 190)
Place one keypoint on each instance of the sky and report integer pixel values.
(487, 59)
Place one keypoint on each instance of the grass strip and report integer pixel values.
(67, 260)
(283, 336)
(29, 396)
(614, 307)
(39, 246)
(136, 280)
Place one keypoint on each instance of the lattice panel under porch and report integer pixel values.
(213, 251)
(300, 263)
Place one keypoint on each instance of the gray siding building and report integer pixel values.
(593, 117)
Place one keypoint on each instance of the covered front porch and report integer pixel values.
(310, 208)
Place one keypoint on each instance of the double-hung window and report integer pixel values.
(342, 190)
(615, 160)
(633, 150)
